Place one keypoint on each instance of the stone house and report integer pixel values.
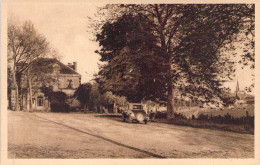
(61, 78)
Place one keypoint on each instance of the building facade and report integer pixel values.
(52, 74)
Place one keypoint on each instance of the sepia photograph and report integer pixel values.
(129, 80)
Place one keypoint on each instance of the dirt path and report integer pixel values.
(61, 135)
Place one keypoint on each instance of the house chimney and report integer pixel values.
(75, 66)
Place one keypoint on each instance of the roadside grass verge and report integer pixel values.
(225, 123)
(243, 124)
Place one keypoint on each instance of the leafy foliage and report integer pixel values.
(131, 71)
(83, 93)
(150, 50)
(107, 99)
(57, 99)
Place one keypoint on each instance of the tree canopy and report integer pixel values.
(83, 94)
(128, 46)
(153, 50)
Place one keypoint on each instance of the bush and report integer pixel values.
(158, 115)
(228, 101)
(74, 109)
(57, 100)
(179, 116)
(203, 117)
(57, 97)
(60, 107)
(227, 119)
(163, 115)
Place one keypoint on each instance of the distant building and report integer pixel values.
(64, 79)
(246, 98)
(240, 97)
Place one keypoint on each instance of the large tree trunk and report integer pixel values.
(170, 109)
(29, 90)
(85, 108)
(19, 85)
(17, 107)
(30, 95)
(170, 104)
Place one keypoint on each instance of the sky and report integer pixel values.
(65, 26)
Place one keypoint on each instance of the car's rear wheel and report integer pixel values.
(140, 117)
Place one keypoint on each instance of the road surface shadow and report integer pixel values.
(117, 117)
(109, 116)
(104, 138)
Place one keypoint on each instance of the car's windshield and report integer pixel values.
(137, 107)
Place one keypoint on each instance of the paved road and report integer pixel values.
(61, 135)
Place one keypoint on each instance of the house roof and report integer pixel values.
(64, 69)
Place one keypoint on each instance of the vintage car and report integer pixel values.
(135, 113)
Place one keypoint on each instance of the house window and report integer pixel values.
(69, 84)
(40, 101)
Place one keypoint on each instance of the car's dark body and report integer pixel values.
(135, 113)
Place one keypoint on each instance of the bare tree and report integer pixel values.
(25, 45)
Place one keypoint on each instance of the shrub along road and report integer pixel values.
(72, 135)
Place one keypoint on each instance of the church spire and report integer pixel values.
(237, 88)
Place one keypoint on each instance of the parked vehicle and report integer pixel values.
(135, 113)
